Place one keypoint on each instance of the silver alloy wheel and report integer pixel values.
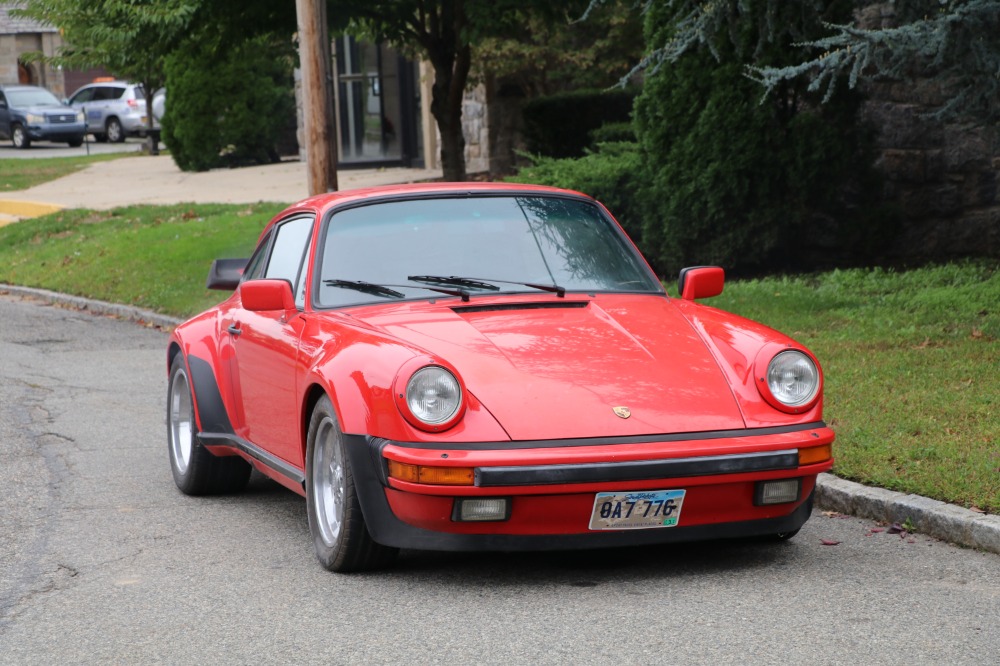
(19, 137)
(114, 131)
(181, 421)
(328, 482)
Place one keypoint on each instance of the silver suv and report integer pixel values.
(114, 109)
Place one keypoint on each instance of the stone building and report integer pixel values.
(19, 36)
(943, 176)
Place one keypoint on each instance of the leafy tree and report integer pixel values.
(130, 38)
(444, 32)
(544, 57)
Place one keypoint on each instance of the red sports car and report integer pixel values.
(489, 367)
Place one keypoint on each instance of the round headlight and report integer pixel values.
(792, 378)
(433, 395)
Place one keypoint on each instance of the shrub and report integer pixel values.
(560, 125)
(756, 186)
(610, 175)
(227, 107)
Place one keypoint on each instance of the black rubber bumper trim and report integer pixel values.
(605, 441)
(387, 529)
(538, 475)
(277, 464)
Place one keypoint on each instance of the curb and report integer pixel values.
(16, 209)
(930, 517)
(137, 315)
(946, 522)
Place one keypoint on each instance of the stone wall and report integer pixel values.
(944, 177)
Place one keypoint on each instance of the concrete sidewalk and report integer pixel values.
(157, 180)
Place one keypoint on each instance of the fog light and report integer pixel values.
(481, 509)
(777, 492)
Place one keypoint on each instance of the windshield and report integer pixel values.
(39, 96)
(475, 245)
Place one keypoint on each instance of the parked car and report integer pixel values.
(30, 113)
(114, 110)
(483, 366)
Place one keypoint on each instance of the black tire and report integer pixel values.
(19, 136)
(336, 522)
(100, 137)
(196, 471)
(75, 143)
(113, 130)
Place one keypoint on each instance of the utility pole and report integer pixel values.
(317, 95)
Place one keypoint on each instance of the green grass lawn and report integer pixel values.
(20, 174)
(912, 359)
(912, 366)
(154, 257)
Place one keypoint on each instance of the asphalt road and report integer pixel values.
(103, 561)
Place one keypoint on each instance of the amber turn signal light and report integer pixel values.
(439, 476)
(815, 454)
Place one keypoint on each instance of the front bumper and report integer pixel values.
(552, 486)
(58, 132)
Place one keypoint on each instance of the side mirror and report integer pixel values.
(700, 282)
(225, 274)
(65, 101)
(265, 295)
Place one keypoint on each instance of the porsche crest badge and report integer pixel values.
(622, 412)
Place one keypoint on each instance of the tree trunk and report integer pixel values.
(451, 74)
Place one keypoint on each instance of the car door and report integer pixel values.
(83, 99)
(265, 348)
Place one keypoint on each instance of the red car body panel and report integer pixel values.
(541, 375)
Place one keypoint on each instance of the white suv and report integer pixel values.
(114, 109)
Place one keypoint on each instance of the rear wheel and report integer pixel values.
(19, 136)
(75, 143)
(195, 470)
(113, 130)
(336, 523)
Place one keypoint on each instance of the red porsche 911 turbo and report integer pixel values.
(489, 367)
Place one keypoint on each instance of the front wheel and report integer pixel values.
(19, 136)
(336, 523)
(196, 471)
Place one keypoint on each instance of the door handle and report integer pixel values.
(234, 329)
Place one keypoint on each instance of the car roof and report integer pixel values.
(417, 189)
(20, 86)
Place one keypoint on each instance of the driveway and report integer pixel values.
(104, 561)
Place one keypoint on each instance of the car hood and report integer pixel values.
(558, 368)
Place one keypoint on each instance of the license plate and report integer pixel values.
(637, 510)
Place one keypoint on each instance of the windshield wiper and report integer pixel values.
(384, 290)
(365, 287)
(484, 283)
(454, 280)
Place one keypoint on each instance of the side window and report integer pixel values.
(84, 95)
(289, 251)
(113, 92)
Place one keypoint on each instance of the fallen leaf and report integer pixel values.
(896, 528)
(976, 509)
(976, 334)
(831, 514)
(829, 542)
